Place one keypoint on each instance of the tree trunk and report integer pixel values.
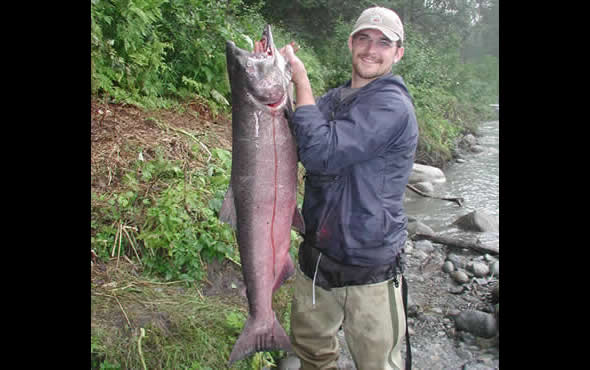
(458, 243)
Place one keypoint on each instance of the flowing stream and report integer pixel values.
(476, 180)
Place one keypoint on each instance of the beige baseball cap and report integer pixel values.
(382, 19)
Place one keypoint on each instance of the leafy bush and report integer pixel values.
(126, 47)
(153, 52)
(175, 229)
(450, 95)
(145, 50)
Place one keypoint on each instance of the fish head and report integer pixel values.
(264, 77)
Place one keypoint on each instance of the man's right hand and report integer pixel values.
(298, 75)
(297, 67)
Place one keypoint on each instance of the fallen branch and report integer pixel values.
(458, 243)
(233, 260)
(163, 126)
(458, 200)
(130, 241)
(194, 138)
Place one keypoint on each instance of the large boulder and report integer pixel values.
(417, 227)
(481, 324)
(424, 173)
(477, 221)
(468, 141)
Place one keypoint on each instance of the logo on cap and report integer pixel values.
(376, 19)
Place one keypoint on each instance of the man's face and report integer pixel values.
(373, 54)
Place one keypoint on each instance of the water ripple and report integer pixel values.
(476, 180)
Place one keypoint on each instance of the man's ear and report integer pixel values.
(398, 55)
(350, 43)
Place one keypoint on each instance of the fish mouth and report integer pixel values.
(267, 41)
(278, 104)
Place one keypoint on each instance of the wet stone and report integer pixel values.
(459, 276)
(448, 267)
(480, 269)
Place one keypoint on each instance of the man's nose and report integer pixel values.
(371, 46)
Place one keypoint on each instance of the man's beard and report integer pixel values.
(363, 72)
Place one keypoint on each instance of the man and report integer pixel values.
(357, 144)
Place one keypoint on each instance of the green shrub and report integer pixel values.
(127, 48)
(173, 228)
(154, 52)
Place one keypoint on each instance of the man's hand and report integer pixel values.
(298, 75)
(297, 68)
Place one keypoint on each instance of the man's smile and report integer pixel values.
(369, 60)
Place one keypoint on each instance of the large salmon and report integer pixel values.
(261, 199)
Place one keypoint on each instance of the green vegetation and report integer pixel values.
(174, 228)
(184, 329)
(156, 195)
(154, 53)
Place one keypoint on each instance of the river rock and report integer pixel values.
(421, 173)
(489, 258)
(458, 260)
(424, 245)
(468, 141)
(495, 269)
(417, 227)
(419, 254)
(448, 267)
(477, 221)
(478, 323)
(413, 308)
(480, 269)
(477, 149)
(290, 362)
(425, 187)
(459, 276)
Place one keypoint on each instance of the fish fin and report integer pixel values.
(287, 271)
(256, 338)
(298, 223)
(227, 213)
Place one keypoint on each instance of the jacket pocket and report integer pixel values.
(365, 230)
(323, 196)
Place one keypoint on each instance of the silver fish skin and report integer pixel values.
(261, 199)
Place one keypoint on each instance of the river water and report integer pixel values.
(476, 180)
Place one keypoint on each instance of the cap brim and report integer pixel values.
(390, 35)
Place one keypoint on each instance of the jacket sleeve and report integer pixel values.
(326, 146)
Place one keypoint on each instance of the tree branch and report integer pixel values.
(458, 200)
(458, 243)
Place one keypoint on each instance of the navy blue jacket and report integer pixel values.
(358, 155)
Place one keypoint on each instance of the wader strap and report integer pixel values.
(408, 348)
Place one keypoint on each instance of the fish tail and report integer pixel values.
(255, 338)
